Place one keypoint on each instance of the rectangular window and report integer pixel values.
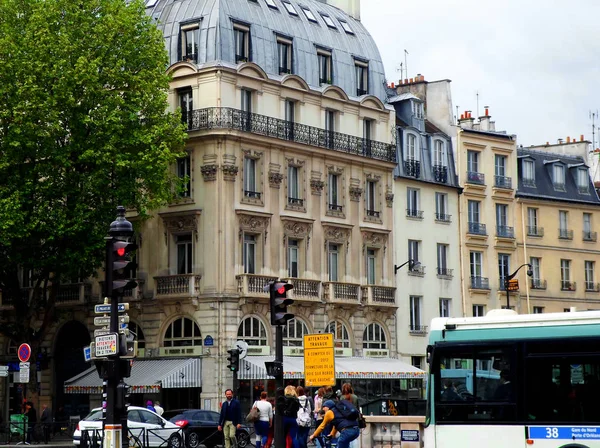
(589, 275)
(417, 361)
(325, 75)
(334, 200)
(250, 177)
(563, 222)
(535, 263)
(293, 185)
(190, 39)
(528, 173)
(371, 266)
(413, 250)
(503, 269)
(532, 219)
(587, 222)
(184, 254)
(412, 202)
(476, 263)
(249, 254)
(328, 21)
(473, 161)
(500, 165)
(411, 147)
(186, 105)
(538, 310)
(442, 259)
(501, 215)
(346, 27)
(241, 38)
(284, 51)
(445, 307)
(415, 313)
(370, 197)
(333, 260)
(246, 101)
(441, 207)
(582, 180)
(184, 172)
(418, 110)
(478, 310)
(439, 154)
(309, 15)
(362, 77)
(565, 274)
(558, 177)
(293, 253)
(271, 4)
(329, 128)
(473, 210)
(290, 118)
(290, 8)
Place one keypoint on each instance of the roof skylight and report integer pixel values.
(271, 4)
(309, 15)
(290, 8)
(151, 3)
(346, 27)
(328, 21)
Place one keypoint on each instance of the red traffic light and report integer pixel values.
(121, 251)
(281, 290)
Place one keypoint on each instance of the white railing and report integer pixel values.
(187, 285)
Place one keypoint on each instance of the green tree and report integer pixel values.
(84, 127)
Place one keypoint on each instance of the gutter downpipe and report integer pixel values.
(460, 231)
(525, 252)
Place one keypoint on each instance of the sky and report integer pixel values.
(535, 63)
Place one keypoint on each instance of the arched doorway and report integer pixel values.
(68, 362)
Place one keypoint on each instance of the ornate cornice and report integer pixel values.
(209, 172)
(296, 229)
(252, 223)
(355, 193)
(252, 154)
(334, 234)
(316, 186)
(374, 239)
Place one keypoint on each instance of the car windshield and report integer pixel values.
(94, 416)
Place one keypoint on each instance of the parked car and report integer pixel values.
(141, 423)
(200, 427)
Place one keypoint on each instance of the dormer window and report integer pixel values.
(583, 180)
(418, 110)
(439, 153)
(558, 177)
(362, 77)
(271, 4)
(328, 21)
(411, 147)
(190, 36)
(324, 57)
(241, 37)
(346, 27)
(284, 50)
(309, 14)
(528, 173)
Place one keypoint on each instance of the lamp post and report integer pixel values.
(412, 264)
(510, 277)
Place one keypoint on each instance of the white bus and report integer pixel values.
(509, 380)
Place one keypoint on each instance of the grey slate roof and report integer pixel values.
(216, 37)
(544, 188)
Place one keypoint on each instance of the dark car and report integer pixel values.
(201, 428)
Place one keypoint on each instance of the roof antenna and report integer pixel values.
(593, 116)
(477, 95)
(405, 62)
(456, 116)
(400, 69)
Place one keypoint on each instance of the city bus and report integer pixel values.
(510, 380)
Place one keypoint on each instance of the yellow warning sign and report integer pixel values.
(319, 360)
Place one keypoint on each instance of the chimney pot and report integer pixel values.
(393, 86)
(410, 80)
(405, 81)
(487, 111)
(462, 116)
(581, 137)
(568, 139)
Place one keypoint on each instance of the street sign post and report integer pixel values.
(102, 321)
(105, 308)
(106, 345)
(3, 371)
(319, 360)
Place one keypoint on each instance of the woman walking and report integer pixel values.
(265, 419)
(290, 414)
(304, 419)
(318, 415)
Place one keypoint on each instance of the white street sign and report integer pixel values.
(101, 331)
(24, 376)
(102, 321)
(106, 345)
(3, 368)
(3, 373)
(24, 365)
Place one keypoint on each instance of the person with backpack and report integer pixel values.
(344, 418)
(304, 418)
(290, 414)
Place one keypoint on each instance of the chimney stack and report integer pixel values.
(484, 120)
(466, 120)
(568, 139)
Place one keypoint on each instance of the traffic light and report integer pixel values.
(280, 302)
(233, 359)
(122, 266)
(123, 392)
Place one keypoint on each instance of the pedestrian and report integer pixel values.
(349, 395)
(31, 415)
(290, 414)
(265, 419)
(150, 406)
(269, 442)
(158, 408)
(329, 394)
(46, 420)
(230, 419)
(344, 419)
(319, 415)
(304, 418)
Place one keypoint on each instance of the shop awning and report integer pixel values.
(147, 376)
(253, 368)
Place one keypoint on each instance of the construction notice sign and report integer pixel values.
(319, 360)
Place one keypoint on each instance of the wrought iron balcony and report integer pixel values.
(236, 119)
(440, 173)
(480, 283)
(442, 217)
(565, 234)
(360, 92)
(503, 182)
(336, 207)
(566, 285)
(476, 228)
(412, 168)
(181, 285)
(505, 232)
(537, 283)
(296, 201)
(418, 270)
(535, 231)
(418, 330)
(583, 189)
(373, 213)
(190, 57)
(559, 186)
(589, 235)
(528, 182)
(445, 272)
(252, 194)
(474, 177)
(413, 213)
(592, 287)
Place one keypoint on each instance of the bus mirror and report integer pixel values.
(429, 354)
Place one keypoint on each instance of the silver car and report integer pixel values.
(145, 428)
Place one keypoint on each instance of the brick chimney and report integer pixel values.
(484, 120)
(466, 120)
(350, 7)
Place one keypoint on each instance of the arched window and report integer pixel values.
(253, 331)
(183, 332)
(341, 337)
(374, 337)
(293, 333)
(138, 334)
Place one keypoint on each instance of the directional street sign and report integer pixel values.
(3, 368)
(131, 349)
(105, 309)
(87, 353)
(102, 321)
(101, 331)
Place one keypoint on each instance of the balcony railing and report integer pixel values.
(442, 217)
(252, 194)
(505, 232)
(190, 57)
(503, 182)
(440, 173)
(418, 270)
(252, 285)
(588, 235)
(413, 213)
(296, 201)
(373, 213)
(528, 182)
(181, 285)
(335, 207)
(592, 287)
(378, 295)
(566, 285)
(583, 189)
(473, 177)
(535, 231)
(412, 168)
(565, 234)
(480, 283)
(342, 292)
(476, 228)
(537, 283)
(445, 272)
(236, 119)
(418, 330)
(305, 290)
(559, 186)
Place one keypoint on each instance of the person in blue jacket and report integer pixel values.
(230, 419)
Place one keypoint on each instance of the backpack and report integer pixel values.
(304, 418)
(347, 410)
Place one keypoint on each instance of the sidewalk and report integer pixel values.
(61, 441)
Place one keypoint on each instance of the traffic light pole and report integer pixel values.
(279, 432)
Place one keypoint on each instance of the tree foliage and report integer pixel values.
(84, 127)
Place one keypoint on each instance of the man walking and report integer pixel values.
(46, 420)
(230, 418)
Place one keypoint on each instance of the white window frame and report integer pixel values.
(439, 153)
(587, 222)
(285, 49)
(328, 21)
(582, 178)
(341, 335)
(416, 313)
(474, 211)
(361, 70)
(501, 215)
(589, 267)
(442, 256)
(293, 183)
(374, 337)
(345, 26)
(441, 204)
(325, 66)
(271, 4)
(565, 270)
(253, 331)
(371, 195)
(333, 261)
(309, 14)
(418, 110)
(371, 266)
(472, 161)
(290, 8)
(536, 265)
(293, 249)
(249, 253)
(241, 42)
(412, 150)
(184, 244)
(503, 267)
(184, 170)
(413, 200)
(190, 31)
(558, 175)
(334, 190)
(500, 165)
(528, 172)
(563, 220)
(445, 307)
(478, 310)
(250, 181)
(414, 249)
(476, 264)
